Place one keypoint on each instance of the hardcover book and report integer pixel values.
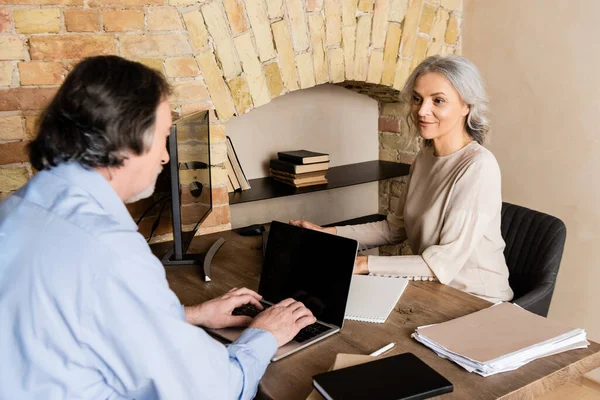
(286, 166)
(303, 184)
(303, 156)
(299, 178)
(400, 377)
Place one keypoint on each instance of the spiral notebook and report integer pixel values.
(372, 298)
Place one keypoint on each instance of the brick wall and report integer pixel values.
(226, 55)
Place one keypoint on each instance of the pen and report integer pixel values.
(382, 350)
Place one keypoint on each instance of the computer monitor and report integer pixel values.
(189, 177)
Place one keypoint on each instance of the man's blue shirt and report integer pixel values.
(86, 311)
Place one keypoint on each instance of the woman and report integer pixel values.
(453, 199)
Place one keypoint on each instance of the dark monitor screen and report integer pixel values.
(189, 177)
(310, 266)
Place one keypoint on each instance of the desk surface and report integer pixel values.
(238, 262)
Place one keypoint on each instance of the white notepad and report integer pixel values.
(372, 298)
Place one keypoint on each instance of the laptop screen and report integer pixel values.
(310, 266)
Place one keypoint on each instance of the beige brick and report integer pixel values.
(190, 91)
(333, 22)
(25, 98)
(420, 51)
(163, 19)
(241, 95)
(11, 128)
(398, 10)
(365, 5)
(397, 110)
(451, 5)
(39, 20)
(123, 20)
(273, 78)
(31, 126)
(317, 37)
(361, 61)
(154, 63)
(6, 72)
(217, 88)
(6, 25)
(409, 33)
(349, 12)
(12, 178)
(306, 70)
(189, 108)
(336, 65)
(182, 2)
(349, 41)
(314, 5)
(82, 20)
(438, 31)
(154, 45)
(11, 48)
(72, 46)
(287, 62)
(43, 2)
(261, 28)
(390, 53)
(380, 22)
(253, 70)
(194, 22)
(427, 15)
(297, 18)
(275, 8)
(402, 72)
(13, 152)
(214, 16)
(452, 30)
(9, 100)
(236, 16)
(126, 3)
(181, 67)
(41, 73)
(375, 66)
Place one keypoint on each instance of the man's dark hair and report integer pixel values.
(104, 110)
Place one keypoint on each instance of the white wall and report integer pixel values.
(326, 118)
(541, 61)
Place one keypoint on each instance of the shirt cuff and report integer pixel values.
(262, 342)
(404, 266)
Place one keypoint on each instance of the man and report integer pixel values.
(85, 308)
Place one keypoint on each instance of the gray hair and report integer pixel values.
(464, 76)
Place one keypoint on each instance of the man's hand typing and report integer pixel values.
(284, 320)
(216, 313)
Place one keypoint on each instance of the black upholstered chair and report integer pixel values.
(534, 248)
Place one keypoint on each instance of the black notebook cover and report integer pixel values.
(303, 156)
(401, 377)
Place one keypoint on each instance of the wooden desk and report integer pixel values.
(238, 262)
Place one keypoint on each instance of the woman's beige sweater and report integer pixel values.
(452, 219)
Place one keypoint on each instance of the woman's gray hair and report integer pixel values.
(464, 76)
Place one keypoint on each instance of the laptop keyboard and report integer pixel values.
(305, 333)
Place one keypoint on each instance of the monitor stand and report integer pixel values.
(198, 259)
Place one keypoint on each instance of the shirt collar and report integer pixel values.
(99, 189)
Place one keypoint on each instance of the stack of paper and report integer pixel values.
(499, 338)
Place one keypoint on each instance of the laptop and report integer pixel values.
(310, 266)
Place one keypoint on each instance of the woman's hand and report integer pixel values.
(309, 225)
(361, 265)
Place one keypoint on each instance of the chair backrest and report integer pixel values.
(534, 248)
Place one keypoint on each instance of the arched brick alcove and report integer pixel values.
(228, 55)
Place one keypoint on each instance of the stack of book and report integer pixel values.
(300, 168)
(236, 178)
